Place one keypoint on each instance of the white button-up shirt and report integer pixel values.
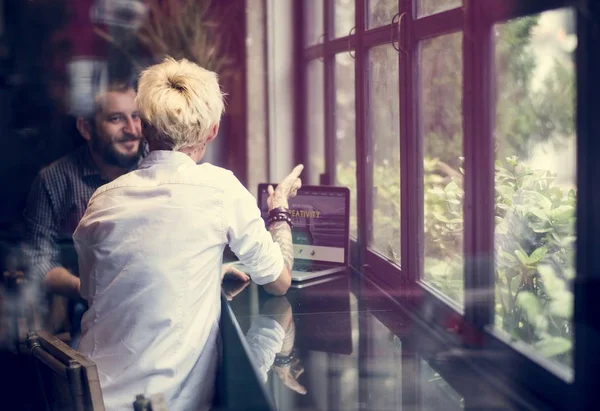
(150, 249)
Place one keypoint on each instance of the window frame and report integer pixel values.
(476, 22)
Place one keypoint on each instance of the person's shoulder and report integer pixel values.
(214, 171)
(65, 165)
(220, 177)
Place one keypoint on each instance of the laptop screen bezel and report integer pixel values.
(327, 189)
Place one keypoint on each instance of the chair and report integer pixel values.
(67, 379)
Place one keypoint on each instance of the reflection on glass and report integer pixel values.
(344, 17)
(313, 21)
(382, 372)
(345, 136)
(314, 125)
(271, 339)
(535, 181)
(385, 135)
(441, 113)
(436, 393)
(381, 12)
(428, 7)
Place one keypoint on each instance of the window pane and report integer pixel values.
(535, 181)
(436, 393)
(314, 124)
(385, 137)
(381, 12)
(345, 149)
(344, 17)
(313, 21)
(442, 133)
(427, 7)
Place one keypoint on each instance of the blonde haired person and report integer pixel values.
(150, 248)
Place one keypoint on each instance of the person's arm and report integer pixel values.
(61, 281)
(266, 255)
(281, 231)
(41, 245)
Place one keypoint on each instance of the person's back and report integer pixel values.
(150, 249)
(153, 320)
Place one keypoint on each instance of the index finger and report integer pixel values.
(294, 174)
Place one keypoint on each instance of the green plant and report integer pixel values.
(534, 259)
(534, 236)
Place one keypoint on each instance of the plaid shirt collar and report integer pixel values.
(89, 168)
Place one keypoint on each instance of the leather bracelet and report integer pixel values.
(279, 210)
(283, 361)
(279, 218)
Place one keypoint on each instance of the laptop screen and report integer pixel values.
(321, 218)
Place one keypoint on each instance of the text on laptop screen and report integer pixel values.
(320, 221)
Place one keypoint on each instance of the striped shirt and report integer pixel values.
(57, 201)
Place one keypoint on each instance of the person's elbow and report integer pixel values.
(281, 284)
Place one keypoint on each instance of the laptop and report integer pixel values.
(321, 218)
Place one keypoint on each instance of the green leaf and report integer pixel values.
(553, 346)
(539, 214)
(562, 304)
(521, 256)
(530, 305)
(562, 212)
(441, 217)
(537, 255)
(506, 191)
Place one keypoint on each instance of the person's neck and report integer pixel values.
(194, 152)
(108, 172)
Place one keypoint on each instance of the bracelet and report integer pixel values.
(279, 210)
(283, 361)
(280, 217)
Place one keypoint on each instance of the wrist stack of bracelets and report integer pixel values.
(279, 214)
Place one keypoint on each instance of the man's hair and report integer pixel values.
(179, 103)
(118, 86)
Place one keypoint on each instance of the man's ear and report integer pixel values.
(85, 128)
(213, 133)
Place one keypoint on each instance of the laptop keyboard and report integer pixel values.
(309, 267)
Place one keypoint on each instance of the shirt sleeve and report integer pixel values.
(265, 339)
(41, 247)
(248, 237)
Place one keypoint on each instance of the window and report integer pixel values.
(441, 116)
(453, 123)
(315, 127)
(313, 22)
(383, 115)
(428, 7)
(343, 11)
(345, 131)
(535, 181)
(381, 12)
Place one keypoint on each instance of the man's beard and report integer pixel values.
(111, 156)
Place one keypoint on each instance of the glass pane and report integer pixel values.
(535, 181)
(345, 136)
(313, 21)
(314, 124)
(441, 111)
(436, 393)
(381, 12)
(344, 17)
(385, 136)
(427, 7)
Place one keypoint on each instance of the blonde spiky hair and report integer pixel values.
(179, 103)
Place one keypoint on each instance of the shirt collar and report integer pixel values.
(174, 158)
(89, 168)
